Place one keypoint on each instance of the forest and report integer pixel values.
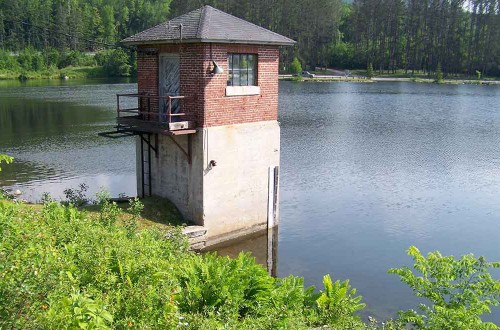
(460, 37)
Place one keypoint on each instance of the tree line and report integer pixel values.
(458, 36)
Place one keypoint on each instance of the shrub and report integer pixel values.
(338, 304)
(369, 71)
(76, 197)
(295, 66)
(6, 159)
(115, 62)
(460, 291)
(8, 61)
(30, 59)
(439, 74)
(75, 58)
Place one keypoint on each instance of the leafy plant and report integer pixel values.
(439, 73)
(295, 66)
(82, 311)
(6, 159)
(461, 291)
(338, 303)
(369, 71)
(77, 197)
(109, 211)
(135, 208)
(233, 287)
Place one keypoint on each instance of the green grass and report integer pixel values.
(157, 212)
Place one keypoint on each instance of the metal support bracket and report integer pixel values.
(184, 151)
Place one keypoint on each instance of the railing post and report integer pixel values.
(169, 109)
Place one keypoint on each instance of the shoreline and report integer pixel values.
(325, 78)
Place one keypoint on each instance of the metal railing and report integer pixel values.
(144, 109)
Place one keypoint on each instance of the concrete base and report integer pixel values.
(229, 187)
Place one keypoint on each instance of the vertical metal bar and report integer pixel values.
(169, 109)
(117, 105)
(156, 146)
(142, 164)
(149, 164)
(275, 196)
(189, 149)
(270, 198)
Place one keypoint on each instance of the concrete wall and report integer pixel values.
(235, 192)
(173, 177)
(229, 199)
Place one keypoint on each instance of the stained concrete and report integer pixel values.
(226, 186)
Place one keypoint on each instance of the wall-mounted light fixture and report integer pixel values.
(217, 69)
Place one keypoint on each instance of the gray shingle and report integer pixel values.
(208, 24)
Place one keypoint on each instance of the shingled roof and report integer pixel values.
(207, 24)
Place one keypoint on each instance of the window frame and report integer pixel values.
(249, 70)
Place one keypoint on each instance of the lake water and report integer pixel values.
(367, 170)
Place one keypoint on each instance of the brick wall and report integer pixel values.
(206, 102)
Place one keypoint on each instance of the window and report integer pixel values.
(242, 70)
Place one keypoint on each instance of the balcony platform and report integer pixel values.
(136, 125)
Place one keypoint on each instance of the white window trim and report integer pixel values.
(242, 90)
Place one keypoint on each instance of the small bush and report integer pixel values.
(77, 197)
(8, 61)
(295, 66)
(115, 62)
(460, 291)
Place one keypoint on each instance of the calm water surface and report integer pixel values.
(367, 170)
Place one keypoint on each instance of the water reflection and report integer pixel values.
(262, 245)
(51, 130)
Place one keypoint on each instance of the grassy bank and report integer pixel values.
(71, 72)
(109, 267)
(95, 268)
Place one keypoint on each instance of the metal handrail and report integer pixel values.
(148, 113)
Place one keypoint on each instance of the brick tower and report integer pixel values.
(206, 115)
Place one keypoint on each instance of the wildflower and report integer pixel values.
(45, 306)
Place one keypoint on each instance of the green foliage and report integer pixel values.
(235, 287)
(338, 304)
(115, 62)
(109, 211)
(62, 269)
(460, 291)
(295, 66)
(135, 208)
(439, 74)
(8, 62)
(75, 58)
(76, 197)
(82, 312)
(6, 159)
(30, 59)
(369, 71)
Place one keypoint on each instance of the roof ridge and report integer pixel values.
(209, 24)
(248, 22)
(200, 22)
